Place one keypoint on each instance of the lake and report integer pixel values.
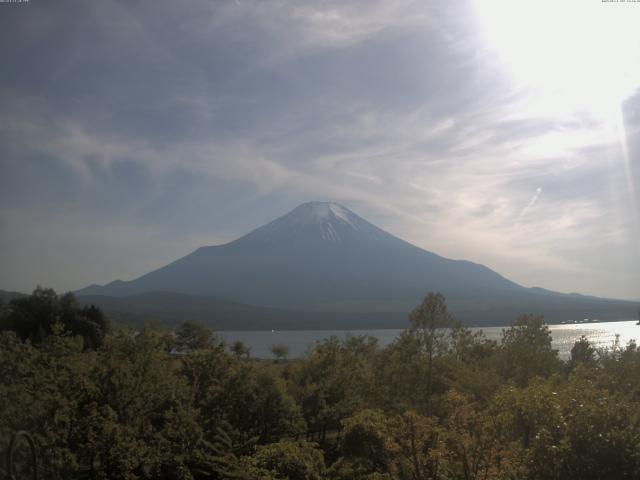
(601, 334)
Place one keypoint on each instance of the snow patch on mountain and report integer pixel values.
(325, 215)
(326, 221)
(343, 214)
(320, 211)
(329, 233)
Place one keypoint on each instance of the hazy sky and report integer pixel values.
(506, 133)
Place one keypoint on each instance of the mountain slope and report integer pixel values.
(323, 257)
(318, 255)
(6, 296)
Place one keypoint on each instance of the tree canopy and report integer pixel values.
(426, 407)
(44, 313)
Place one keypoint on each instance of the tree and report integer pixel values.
(430, 322)
(471, 364)
(475, 451)
(333, 382)
(417, 450)
(246, 396)
(239, 349)
(287, 460)
(33, 317)
(569, 430)
(365, 436)
(45, 313)
(280, 351)
(193, 336)
(583, 353)
(526, 350)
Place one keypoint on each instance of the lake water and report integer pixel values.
(601, 334)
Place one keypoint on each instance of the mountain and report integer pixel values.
(173, 308)
(322, 257)
(6, 296)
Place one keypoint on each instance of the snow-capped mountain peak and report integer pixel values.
(326, 221)
(327, 212)
(323, 257)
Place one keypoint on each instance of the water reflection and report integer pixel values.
(601, 335)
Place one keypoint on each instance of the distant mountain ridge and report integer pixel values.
(6, 296)
(322, 257)
(172, 308)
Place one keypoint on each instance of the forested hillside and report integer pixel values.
(438, 403)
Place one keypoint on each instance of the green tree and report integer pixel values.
(417, 450)
(280, 351)
(239, 349)
(570, 430)
(363, 447)
(287, 460)
(475, 451)
(620, 366)
(583, 353)
(246, 396)
(525, 350)
(430, 324)
(193, 336)
(400, 375)
(45, 313)
(333, 382)
(470, 365)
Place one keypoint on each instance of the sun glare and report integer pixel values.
(572, 56)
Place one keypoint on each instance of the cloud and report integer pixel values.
(148, 125)
(531, 203)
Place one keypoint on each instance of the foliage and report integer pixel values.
(286, 460)
(45, 313)
(333, 383)
(430, 324)
(526, 351)
(280, 351)
(240, 349)
(193, 336)
(583, 353)
(363, 447)
(440, 402)
(417, 449)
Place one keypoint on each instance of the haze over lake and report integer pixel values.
(601, 335)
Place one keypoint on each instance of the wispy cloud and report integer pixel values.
(531, 203)
(182, 126)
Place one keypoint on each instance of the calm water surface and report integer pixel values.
(601, 334)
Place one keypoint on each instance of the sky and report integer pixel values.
(505, 133)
